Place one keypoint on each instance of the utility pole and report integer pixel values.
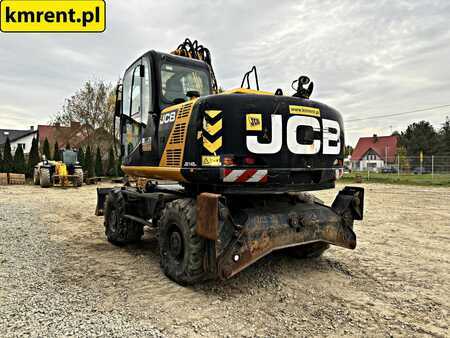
(421, 162)
(432, 167)
(386, 156)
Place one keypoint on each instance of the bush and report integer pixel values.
(56, 154)
(111, 168)
(89, 163)
(33, 156)
(19, 161)
(98, 163)
(8, 164)
(81, 157)
(46, 149)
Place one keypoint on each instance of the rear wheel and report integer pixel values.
(181, 249)
(36, 179)
(79, 177)
(44, 177)
(120, 230)
(312, 250)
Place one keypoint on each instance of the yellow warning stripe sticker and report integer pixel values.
(212, 113)
(212, 147)
(213, 129)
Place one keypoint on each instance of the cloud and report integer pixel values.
(366, 58)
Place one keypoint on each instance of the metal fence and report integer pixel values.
(404, 165)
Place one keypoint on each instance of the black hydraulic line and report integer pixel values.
(247, 77)
(193, 50)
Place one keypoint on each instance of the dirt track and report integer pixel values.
(397, 281)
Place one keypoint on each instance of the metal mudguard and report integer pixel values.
(101, 198)
(279, 223)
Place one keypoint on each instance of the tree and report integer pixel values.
(119, 167)
(81, 157)
(56, 154)
(7, 157)
(93, 107)
(88, 162)
(444, 138)
(98, 163)
(420, 137)
(19, 160)
(348, 151)
(33, 156)
(46, 149)
(403, 160)
(111, 168)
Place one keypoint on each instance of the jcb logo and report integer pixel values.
(254, 122)
(168, 117)
(330, 140)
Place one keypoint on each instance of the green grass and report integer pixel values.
(442, 180)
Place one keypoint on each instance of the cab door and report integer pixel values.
(137, 122)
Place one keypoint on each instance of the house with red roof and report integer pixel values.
(374, 153)
(74, 134)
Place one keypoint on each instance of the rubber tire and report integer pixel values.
(182, 214)
(79, 179)
(36, 179)
(312, 250)
(45, 178)
(119, 230)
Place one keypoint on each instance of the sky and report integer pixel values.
(366, 58)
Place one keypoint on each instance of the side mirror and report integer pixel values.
(118, 105)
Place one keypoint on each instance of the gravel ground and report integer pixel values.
(34, 301)
(60, 277)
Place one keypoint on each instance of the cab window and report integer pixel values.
(136, 95)
(146, 91)
(127, 81)
(131, 122)
(177, 80)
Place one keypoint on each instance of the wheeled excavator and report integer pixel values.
(227, 172)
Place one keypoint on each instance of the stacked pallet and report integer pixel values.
(3, 179)
(17, 179)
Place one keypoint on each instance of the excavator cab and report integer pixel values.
(151, 84)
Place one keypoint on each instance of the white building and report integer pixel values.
(17, 138)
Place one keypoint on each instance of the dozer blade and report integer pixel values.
(278, 225)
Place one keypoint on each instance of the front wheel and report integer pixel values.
(182, 250)
(45, 178)
(79, 177)
(118, 229)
